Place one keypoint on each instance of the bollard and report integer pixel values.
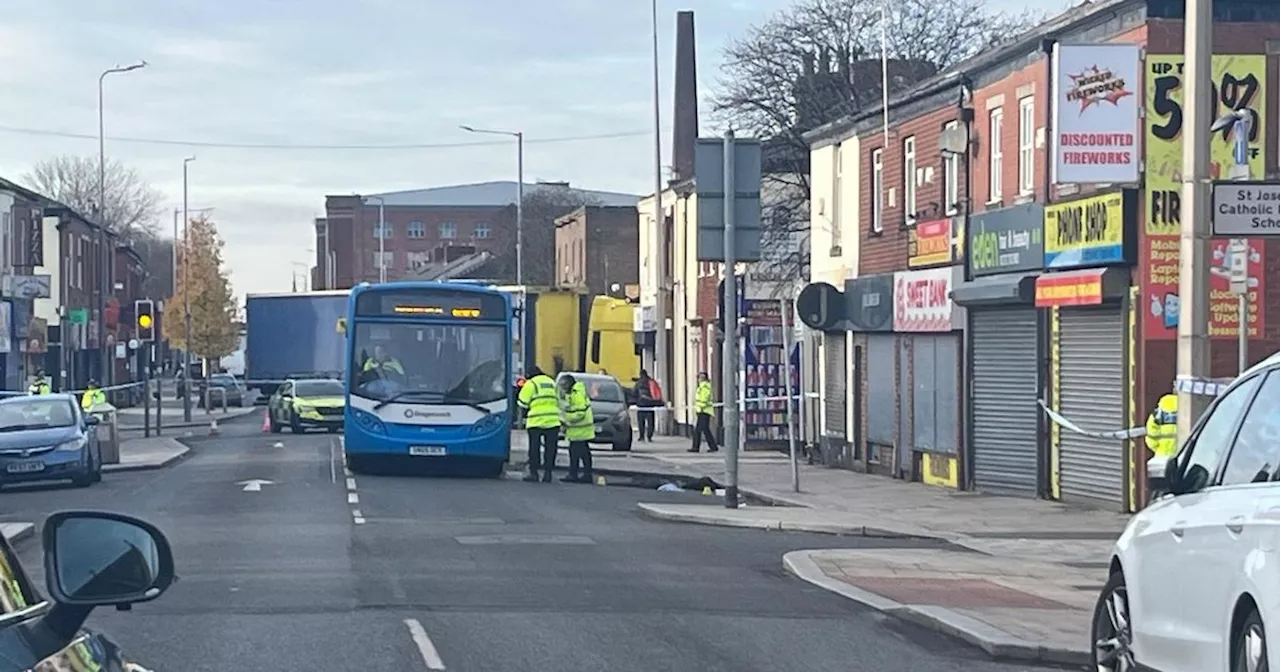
(213, 427)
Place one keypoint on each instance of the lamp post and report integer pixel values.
(662, 255)
(186, 296)
(104, 255)
(382, 235)
(519, 136)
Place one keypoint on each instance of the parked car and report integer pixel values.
(230, 386)
(609, 408)
(92, 559)
(48, 437)
(307, 403)
(1193, 576)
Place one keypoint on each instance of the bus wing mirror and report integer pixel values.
(342, 325)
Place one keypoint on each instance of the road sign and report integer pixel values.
(1246, 208)
(709, 182)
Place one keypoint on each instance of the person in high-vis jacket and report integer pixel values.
(541, 408)
(382, 364)
(40, 385)
(705, 409)
(1162, 440)
(579, 428)
(93, 396)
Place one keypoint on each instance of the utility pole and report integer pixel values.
(186, 296)
(729, 358)
(662, 302)
(1194, 250)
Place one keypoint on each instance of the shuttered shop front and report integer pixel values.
(1091, 379)
(835, 389)
(1004, 409)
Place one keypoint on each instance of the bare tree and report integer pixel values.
(157, 262)
(819, 61)
(132, 205)
(543, 204)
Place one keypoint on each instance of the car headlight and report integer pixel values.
(304, 408)
(76, 444)
(622, 416)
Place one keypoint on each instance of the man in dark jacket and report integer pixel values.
(648, 396)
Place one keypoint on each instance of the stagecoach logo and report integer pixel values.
(412, 413)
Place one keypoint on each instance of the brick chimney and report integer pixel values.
(685, 118)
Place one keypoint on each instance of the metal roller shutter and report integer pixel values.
(1005, 455)
(1091, 385)
(835, 389)
(881, 374)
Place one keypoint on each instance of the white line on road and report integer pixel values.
(333, 461)
(353, 498)
(420, 639)
(351, 484)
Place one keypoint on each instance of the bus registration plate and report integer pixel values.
(427, 450)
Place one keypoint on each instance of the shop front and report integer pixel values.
(929, 327)
(821, 306)
(1089, 250)
(1006, 341)
(873, 381)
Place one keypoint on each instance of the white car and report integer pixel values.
(1195, 577)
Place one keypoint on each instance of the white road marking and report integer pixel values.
(353, 498)
(351, 484)
(428, 650)
(333, 462)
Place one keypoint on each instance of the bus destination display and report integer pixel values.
(449, 305)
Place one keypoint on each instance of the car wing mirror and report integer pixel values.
(91, 420)
(1173, 475)
(97, 558)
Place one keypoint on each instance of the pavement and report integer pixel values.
(171, 415)
(287, 562)
(987, 585)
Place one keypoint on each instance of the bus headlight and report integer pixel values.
(368, 422)
(489, 424)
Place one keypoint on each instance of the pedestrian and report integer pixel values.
(40, 385)
(703, 405)
(1162, 440)
(579, 428)
(93, 396)
(541, 409)
(648, 397)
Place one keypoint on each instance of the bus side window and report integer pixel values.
(595, 346)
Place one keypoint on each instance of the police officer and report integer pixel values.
(1162, 440)
(93, 396)
(702, 404)
(541, 408)
(579, 428)
(382, 364)
(40, 385)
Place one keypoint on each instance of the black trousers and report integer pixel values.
(645, 418)
(579, 456)
(542, 448)
(703, 429)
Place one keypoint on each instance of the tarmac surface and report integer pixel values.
(286, 562)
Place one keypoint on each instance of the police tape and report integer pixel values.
(1207, 387)
(108, 388)
(742, 403)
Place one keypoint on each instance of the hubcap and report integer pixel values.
(1114, 634)
(1254, 649)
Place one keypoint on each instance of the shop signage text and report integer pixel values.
(933, 243)
(1096, 123)
(1008, 240)
(870, 302)
(922, 300)
(1069, 289)
(1238, 82)
(1086, 232)
(1246, 208)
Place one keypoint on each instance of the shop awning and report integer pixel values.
(993, 290)
(1084, 287)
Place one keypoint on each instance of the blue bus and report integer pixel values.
(428, 376)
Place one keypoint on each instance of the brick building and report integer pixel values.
(429, 228)
(978, 285)
(598, 247)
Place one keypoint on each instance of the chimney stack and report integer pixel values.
(685, 118)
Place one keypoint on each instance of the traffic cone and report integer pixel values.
(213, 427)
(266, 421)
(706, 491)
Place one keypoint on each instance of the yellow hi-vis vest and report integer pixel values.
(92, 397)
(539, 400)
(39, 386)
(1162, 427)
(579, 422)
(702, 398)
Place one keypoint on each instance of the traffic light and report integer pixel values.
(145, 329)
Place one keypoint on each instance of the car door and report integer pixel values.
(284, 403)
(1162, 569)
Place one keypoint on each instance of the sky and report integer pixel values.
(322, 72)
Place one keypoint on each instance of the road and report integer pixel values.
(471, 575)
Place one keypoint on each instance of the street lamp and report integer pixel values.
(382, 235)
(186, 296)
(105, 255)
(519, 136)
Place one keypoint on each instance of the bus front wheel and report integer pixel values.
(357, 465)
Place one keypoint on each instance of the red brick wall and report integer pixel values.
(1031, 81)
(886, 251)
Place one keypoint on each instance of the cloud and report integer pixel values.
(207, 51)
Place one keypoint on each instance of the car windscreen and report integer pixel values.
(318, 388)
(36, 413)
(604, 390)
